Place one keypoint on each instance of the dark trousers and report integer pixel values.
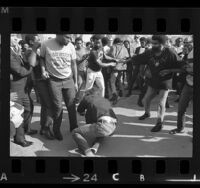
(59, 91)
(143, 90)
(185, 98)
(26, 101)
(106, 76)
(46, 114)
(129, 74)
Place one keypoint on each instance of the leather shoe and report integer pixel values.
(24, 143)
(48, 134)
(143, 117)
(157, 127)
(58, 135)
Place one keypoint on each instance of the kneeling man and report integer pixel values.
(101, 121)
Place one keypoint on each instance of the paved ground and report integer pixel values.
(131, 139)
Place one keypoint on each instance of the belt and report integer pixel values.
(58, 79)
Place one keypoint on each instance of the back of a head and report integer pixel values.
(29, 37)
(117, 41)
(160, 38)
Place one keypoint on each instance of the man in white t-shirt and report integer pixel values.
(58, 62)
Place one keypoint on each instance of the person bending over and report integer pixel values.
(101, 122)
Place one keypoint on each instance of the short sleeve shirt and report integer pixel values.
(58, 58)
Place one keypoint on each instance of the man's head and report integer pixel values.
(30, 39)
(136, 38)
(88, 45)
(158, 43)
(79, 42)
(127, 44)
(179, 42)
(105, 41)
(97, 41)
(143, 42)
(63, 40)
(117, 41)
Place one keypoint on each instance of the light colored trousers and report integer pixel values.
(96, 77)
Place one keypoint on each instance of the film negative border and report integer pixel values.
(98, 20)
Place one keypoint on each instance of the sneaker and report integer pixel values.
(158, 127)
(143, 117)
(94, 150)
(177, 130)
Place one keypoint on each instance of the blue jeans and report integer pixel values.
(185, 98)
(63, 90)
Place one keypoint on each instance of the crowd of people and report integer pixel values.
(90, 77)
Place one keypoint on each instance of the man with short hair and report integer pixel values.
(140, 78)
(120, 54)
(185, 97)
(20, 71)
(40, 86)
(162, 62)
(95, 64)
(101, 122)
(58, 61)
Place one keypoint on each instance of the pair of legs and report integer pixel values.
(90, 135)
(185, 98)
(96, 77)
(106, 75)
(151, 93)
(62, 90)
(46, 114)
(82, 75)
(116, 81)
(25, 100)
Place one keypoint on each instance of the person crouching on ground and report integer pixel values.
(101, 122)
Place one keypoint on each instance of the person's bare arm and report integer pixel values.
(45, 74)
(105, 64)
(74, 71)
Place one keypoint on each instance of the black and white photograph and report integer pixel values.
(101, 95)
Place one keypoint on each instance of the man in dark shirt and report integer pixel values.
(40, 86)
(95, 65)
(19, 73)
(100, 122)
(161, 62)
